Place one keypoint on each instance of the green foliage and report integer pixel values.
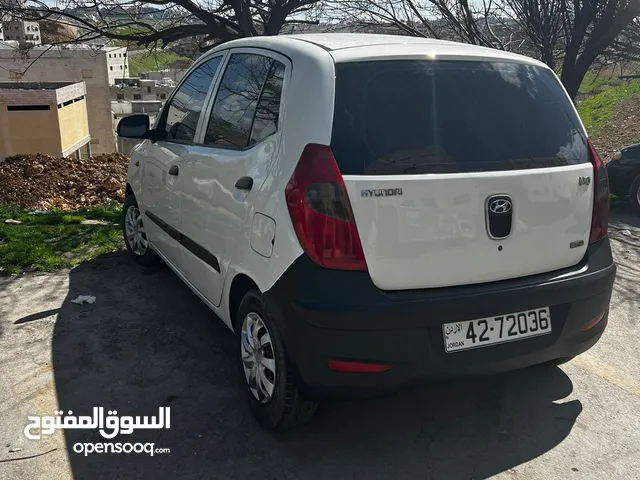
(597, 110)
(593, 83)
(152, 61)
(56, 240)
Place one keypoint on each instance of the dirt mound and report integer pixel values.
(42, 181)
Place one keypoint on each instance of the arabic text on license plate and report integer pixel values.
(503, 328)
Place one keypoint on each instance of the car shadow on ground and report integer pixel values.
(149, 342)
(624, 233)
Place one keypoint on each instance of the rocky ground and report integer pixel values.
(42, 181)
(622, 130)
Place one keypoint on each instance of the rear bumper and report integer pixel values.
(325, 314)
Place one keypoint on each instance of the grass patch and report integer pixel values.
(597, 110)
(56, 240)
(109, 212)
(152, 61)
(592, 83)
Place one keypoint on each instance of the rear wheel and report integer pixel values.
(634, 194)
(273, 396)
(135, 235)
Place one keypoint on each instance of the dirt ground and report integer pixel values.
(149, 342)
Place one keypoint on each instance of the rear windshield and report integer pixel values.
(408, 117)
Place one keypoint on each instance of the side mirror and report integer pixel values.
(134, 126)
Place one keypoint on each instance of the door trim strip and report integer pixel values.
(198, 250)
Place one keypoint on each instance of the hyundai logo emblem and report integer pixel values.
(500, 206)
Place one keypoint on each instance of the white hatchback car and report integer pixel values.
(367, 212)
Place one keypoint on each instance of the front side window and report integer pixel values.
(237, 99)
(184, 108)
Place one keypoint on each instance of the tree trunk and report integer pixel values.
(571, 79)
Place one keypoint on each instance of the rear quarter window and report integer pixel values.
(413, 117)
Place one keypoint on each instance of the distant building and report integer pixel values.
(117, 63)
(172, 74)
(139, 89)
(46, 118)
(72, 63)
(22, 31)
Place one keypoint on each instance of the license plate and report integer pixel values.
(491, 330)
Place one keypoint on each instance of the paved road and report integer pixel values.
(148, 342)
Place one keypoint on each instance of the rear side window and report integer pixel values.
(268, 110)
(248, 90)
(412, 117)
(184, 109)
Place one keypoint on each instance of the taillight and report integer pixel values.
(321, 213)
(593, 322)
(357, 367)
(600, 218)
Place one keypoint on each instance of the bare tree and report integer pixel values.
(591, 27)
(569, 35)
(167, 21)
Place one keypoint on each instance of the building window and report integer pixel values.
(137, 96)
(109, 55)
(120, 67)
(120, 96)
(148, 89)
(24, 108)
(111, 68)
(163, 96)
(87, 73)
(95, 141)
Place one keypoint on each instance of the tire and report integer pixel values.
(285, 408)
(634, 194)
(142, 254)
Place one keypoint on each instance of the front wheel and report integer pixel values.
(273, 396)
(135, 235)
(634, 194)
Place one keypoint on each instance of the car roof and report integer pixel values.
(350, 47)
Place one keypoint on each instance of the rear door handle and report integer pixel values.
(174, 170)
(244, 183)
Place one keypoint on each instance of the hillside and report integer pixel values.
(147, 61)
(612, 116)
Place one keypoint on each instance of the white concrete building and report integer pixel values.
(117, 63)
(69, 64)
(22, 31)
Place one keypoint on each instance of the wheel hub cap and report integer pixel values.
(258, 359)
(134, 231)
